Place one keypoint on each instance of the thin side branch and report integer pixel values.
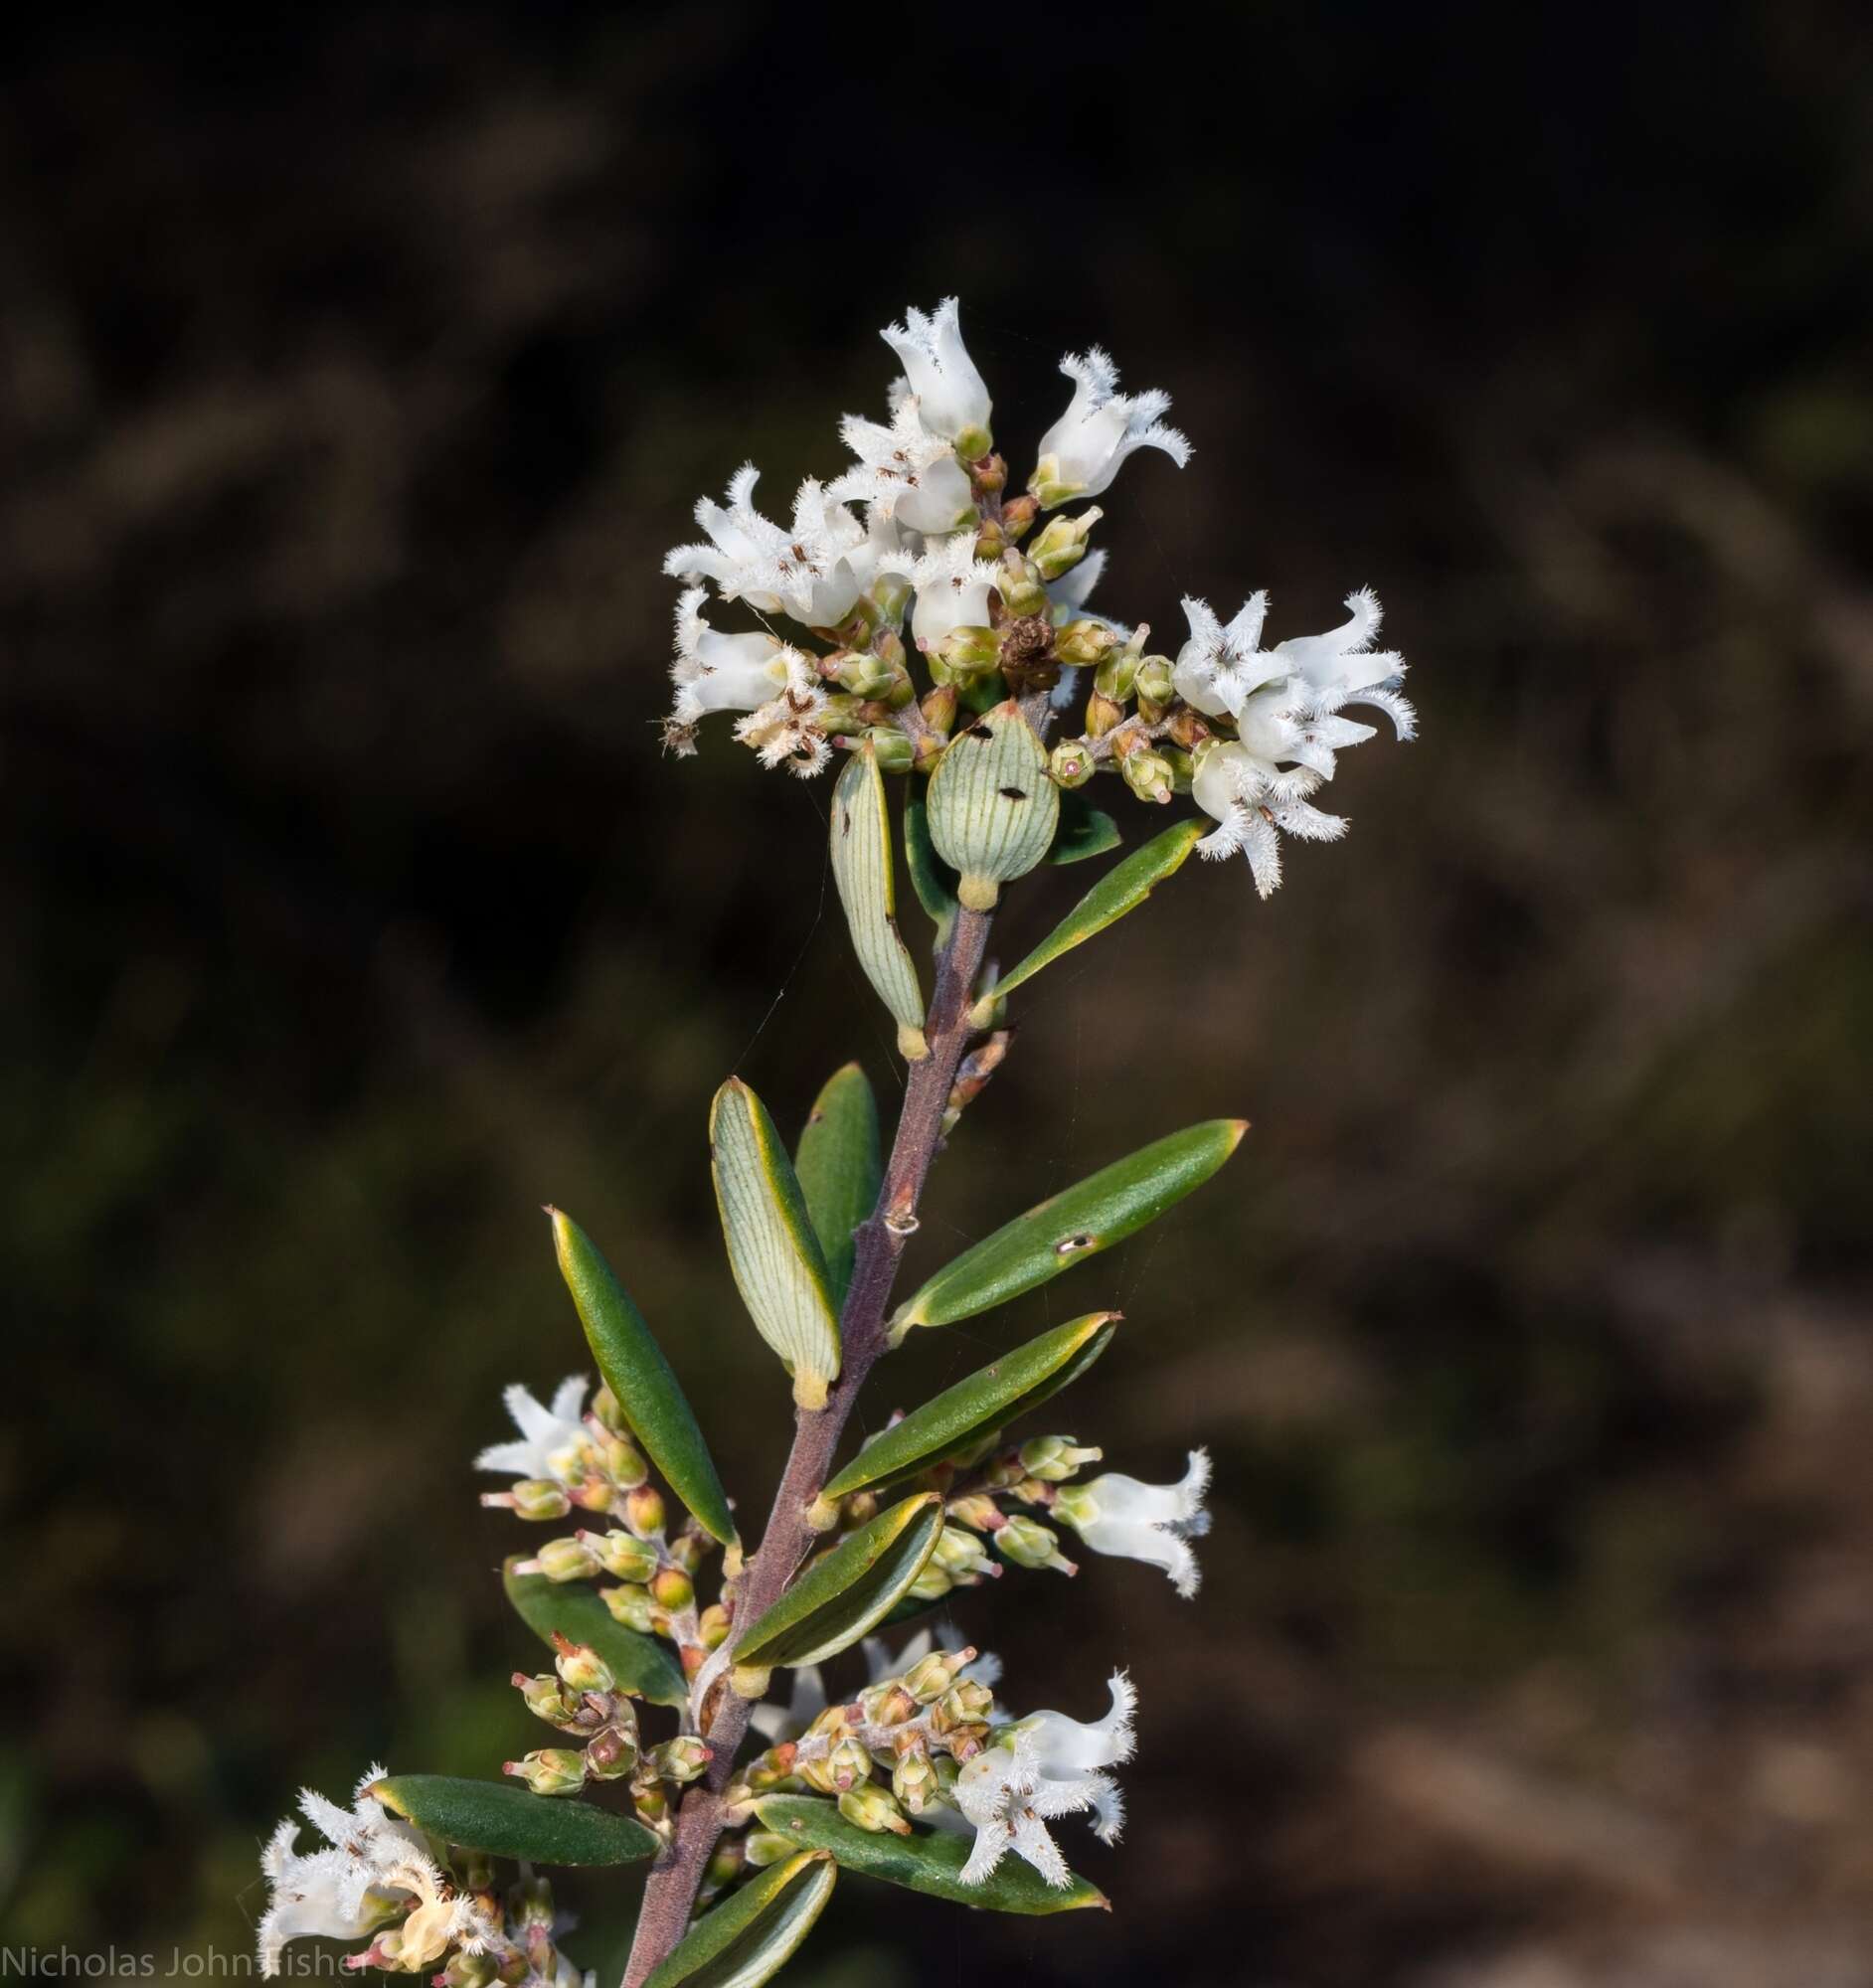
(670, 1893)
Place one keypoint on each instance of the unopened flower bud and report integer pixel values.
(726, 1861)
(468, 1970)
(914, 1780)
(764, 1847)
(841, 716)
(1182, 768)
(1020, 585)
(530, 1905)
(979, 1510)
(1055, 1459)
(1084, 641)
(610, 1413)
(643, 1512)
(1149, 776)
(595, 1494)
(940, 708)
(932, 1585)
(1102, 714)
(581, 1667)
(968, 652)
(895, 751)
(1187, 728)
(1071, 764)
(612, 1754)
(713, 1627)
(562, 1559)
(749, 1680)
(632, 1607)
(891, 595)
(622, 1554)
(886, 1704)
(928, 1679)
(673, 1590)
(960, 1554)
(653, 1806)
(547, 1698)
(1118, 675)
(624, 1464)
(1062, 545)
(872, 1807)
(973, 442)
(681, 1760)
(554, 1771)
(1028, 1543)
(863, 674)
(1152, 684)
(532, 1498)
(987, 473)
(1018, 515)
(846, 1764)
(772, 1768)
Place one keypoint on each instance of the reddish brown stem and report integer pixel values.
(670, 1893)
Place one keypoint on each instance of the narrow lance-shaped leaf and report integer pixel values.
(932, 878)
(1078, 1222)
(1083, 831)
(755, 1931)
(992, 806)
(778, 1266)
(508, 1821)
(1122, 889)
(927, 1860)
(845, 1594)
(639, 1376)
(973, 1409)
(643, 1664)
(839, 1167)
(861, 869)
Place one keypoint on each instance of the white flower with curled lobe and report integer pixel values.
(346, 1889)
(1084, 450)
(718, 671)
(910, 476)
(1040, 1768)
(741, 549)
(551, 1440)
(1154, 1523)
(950, 397)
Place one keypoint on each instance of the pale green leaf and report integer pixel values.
(993, 808)
(861, 869)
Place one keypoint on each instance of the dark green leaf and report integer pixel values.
(930, 1861)
(1078, 1222)
(930, 877)
(636, 1370)
(1083, 831)
(506, 1820)
(977, 1408)
(839, 1167)
(643, 1664)
(845, 1594)
(755, 1931)
(1122, 889)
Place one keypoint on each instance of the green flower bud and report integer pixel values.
(988, 474)
(1182, 769)
(681, 1760)
(1020, 585)
(1055, 1459)
(1152, 684)
(713, 1627)
(968, 652)
(1149, 776)
(607, 1407)
(972, 444)
(547, 1698)
(767, 1846)
(872, 1807)
(846, 1764)
(621, 1555)
(1028, 1543)
(1062, 545)
(841, 716)
(1084, 641)
(562, 1559)
(1116, 676)
(1017, 517)
(536, 1498)
(749, 1680)
(863, 674)
(895, 751)
(932, 1585)
(554, 1771)
(929, 1679)
(726, 1861)
(1102, 714)
(632, 1607)
(581, 1667)
(643, 1512)
(914, 1780)
(1071, 764)
(939, 709)
(673, 1590)
(886, 1704)
(891, 595)
(960, 1554)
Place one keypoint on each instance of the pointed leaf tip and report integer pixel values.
(640, 1379)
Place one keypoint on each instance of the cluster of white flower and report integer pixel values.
(1250, 734)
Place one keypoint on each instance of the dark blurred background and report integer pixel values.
(356, 375)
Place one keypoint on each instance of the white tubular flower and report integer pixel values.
(551, 1445)
(1041, 1768)
(340, 1893)
(952, 588)
(742, 549)
(1082, 453)
(441, 1918)
(1251, 798)
(910, 475)
(1220, 666)
(1154, 1523)
(952, 399)
(714, 671)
